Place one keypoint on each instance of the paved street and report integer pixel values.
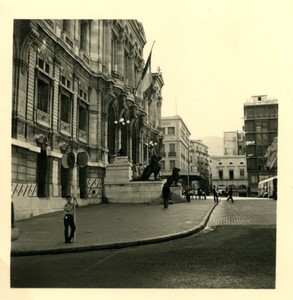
(236, 250)
(251, 211)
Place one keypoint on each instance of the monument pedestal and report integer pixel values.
(119, 172)
(120, 189)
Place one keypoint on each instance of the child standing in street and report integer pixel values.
(69, 210)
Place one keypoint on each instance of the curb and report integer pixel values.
(121, 245)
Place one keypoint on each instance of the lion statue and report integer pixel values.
(174, 177)
(153, 167)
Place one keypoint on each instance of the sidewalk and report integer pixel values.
(107, 226)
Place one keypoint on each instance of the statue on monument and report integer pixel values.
(174, 177)
(154, 167)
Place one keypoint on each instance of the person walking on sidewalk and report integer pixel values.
(230, 195)
(166, 194)
(69, 210)
(215, 193)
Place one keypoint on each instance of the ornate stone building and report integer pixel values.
(78, 99)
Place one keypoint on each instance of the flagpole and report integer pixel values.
(145, 67)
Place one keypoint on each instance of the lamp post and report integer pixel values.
(188, 163)
(151, 147)
(120, 123)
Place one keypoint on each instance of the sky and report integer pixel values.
(215, 55)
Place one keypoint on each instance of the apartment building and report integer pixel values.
(261, 127)
(190, 156)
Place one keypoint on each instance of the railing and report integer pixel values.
(171, 153)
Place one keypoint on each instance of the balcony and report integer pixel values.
(82, 136)
(65, 128)
(171, 153)
(43, 118)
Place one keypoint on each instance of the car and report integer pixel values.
(222, 191)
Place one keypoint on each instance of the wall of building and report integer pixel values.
(221, 166)
(73, 82)
(261, 127)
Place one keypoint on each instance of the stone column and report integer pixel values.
(95, 34)
(131, 68)
(120, 52)
(107, 42)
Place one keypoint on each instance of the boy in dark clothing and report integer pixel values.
(215, 193)
(166, 194)
(230, 194)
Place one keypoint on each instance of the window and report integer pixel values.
(66, 82)
(84, 36)
(242, 172)
(82, 118)
(231, 174)
(162, 164)
(66, 25)
(171, 130)
(172, 147)
(221, 174)
(65, 111)
(44, 66)
(82, 94)
(254, 179)
(273, 125)
(43, 101)
(260, 164)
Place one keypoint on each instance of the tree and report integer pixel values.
(272, 155)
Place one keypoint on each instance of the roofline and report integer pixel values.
(177, 117)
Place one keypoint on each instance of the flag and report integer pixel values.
(147, 65)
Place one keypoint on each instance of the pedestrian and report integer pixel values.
(195, 194)
(69, 211)
(199, 193)
(230, 194)
(166, 194)
(187, 194)
(204, 195)
(215, 193)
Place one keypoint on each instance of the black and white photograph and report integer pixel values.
(147, 149)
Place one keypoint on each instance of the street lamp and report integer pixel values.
(121, 122)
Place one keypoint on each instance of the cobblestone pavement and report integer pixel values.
(244, 212)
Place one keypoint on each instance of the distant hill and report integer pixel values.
(215, 144)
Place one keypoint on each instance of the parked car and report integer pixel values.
(222, 190)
